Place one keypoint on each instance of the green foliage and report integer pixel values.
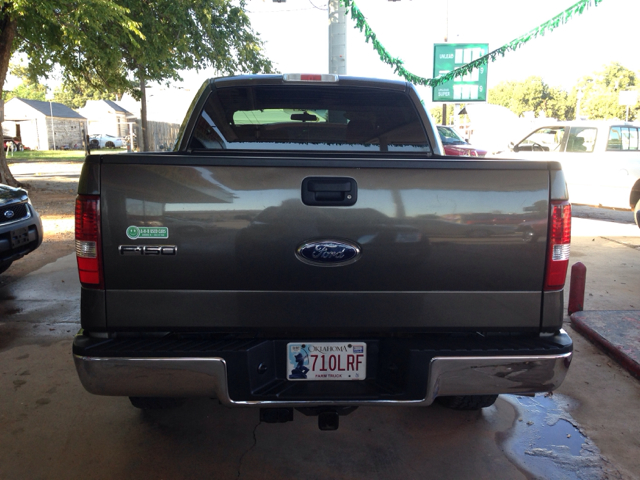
(600, 93)
(108, 44)
(560, 104)
(191, 34)
(533, 95)
(31, 156)
(436, 114)
(76, 36)
(116, 45)
(28, 90)
(75, 95)
(599, 96)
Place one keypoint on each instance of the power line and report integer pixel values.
(325, 7)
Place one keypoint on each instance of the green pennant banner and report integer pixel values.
(398, 65)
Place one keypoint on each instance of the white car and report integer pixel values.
(600, 159)
(105, 141)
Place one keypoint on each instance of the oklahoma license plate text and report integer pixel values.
(327, 361)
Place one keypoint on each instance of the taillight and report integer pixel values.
(88, 248)
(559, 245)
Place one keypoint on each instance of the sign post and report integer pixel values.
(628, 98)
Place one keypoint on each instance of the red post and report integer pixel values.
(576, 288)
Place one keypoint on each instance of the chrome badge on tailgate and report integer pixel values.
(328, 253)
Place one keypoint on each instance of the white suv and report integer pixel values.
(601, 159)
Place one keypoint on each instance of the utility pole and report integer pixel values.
(446, 39)
(337, 38)
(49, 96)
(143, 141)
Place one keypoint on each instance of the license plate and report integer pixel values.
(327, 361)
(19, 237)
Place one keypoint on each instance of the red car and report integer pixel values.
(454, 144)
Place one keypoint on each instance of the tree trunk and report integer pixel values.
(8, 27)
(143, 113)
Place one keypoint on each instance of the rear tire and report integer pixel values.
(467, 402)
(156, 403)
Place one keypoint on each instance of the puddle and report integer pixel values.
(546, 442)
(562, 434)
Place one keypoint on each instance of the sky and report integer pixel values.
(295, 35)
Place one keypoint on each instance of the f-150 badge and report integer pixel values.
(328, 253)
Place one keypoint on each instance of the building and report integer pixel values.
(166, 109)
(107, 118)
(44, 125)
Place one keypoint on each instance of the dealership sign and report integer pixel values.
(471, 87)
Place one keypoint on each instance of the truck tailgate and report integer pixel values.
(443, 245)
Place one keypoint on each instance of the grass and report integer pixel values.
(54, 155)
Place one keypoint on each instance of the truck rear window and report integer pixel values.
(292, 117)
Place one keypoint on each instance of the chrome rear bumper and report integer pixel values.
(207, 377)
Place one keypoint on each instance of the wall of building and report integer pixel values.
(29, 134)
(104, 120)
(68, 133)
(9, 128)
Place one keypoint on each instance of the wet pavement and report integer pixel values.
(548, 443)
(43, 304)
(76, 434)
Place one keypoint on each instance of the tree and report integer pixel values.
(76, 36)
(188, 34)
(27, 89)
(32, 91)
(560, 104)
(120, 45)
(436, 114)
(75, 94)
(532, 95)
(600, 93)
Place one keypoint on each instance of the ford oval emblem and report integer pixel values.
(328, 253)
(9, 214)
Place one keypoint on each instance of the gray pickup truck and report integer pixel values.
(307, 246)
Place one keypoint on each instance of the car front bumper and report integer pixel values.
(30, 229)
(400, 371)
